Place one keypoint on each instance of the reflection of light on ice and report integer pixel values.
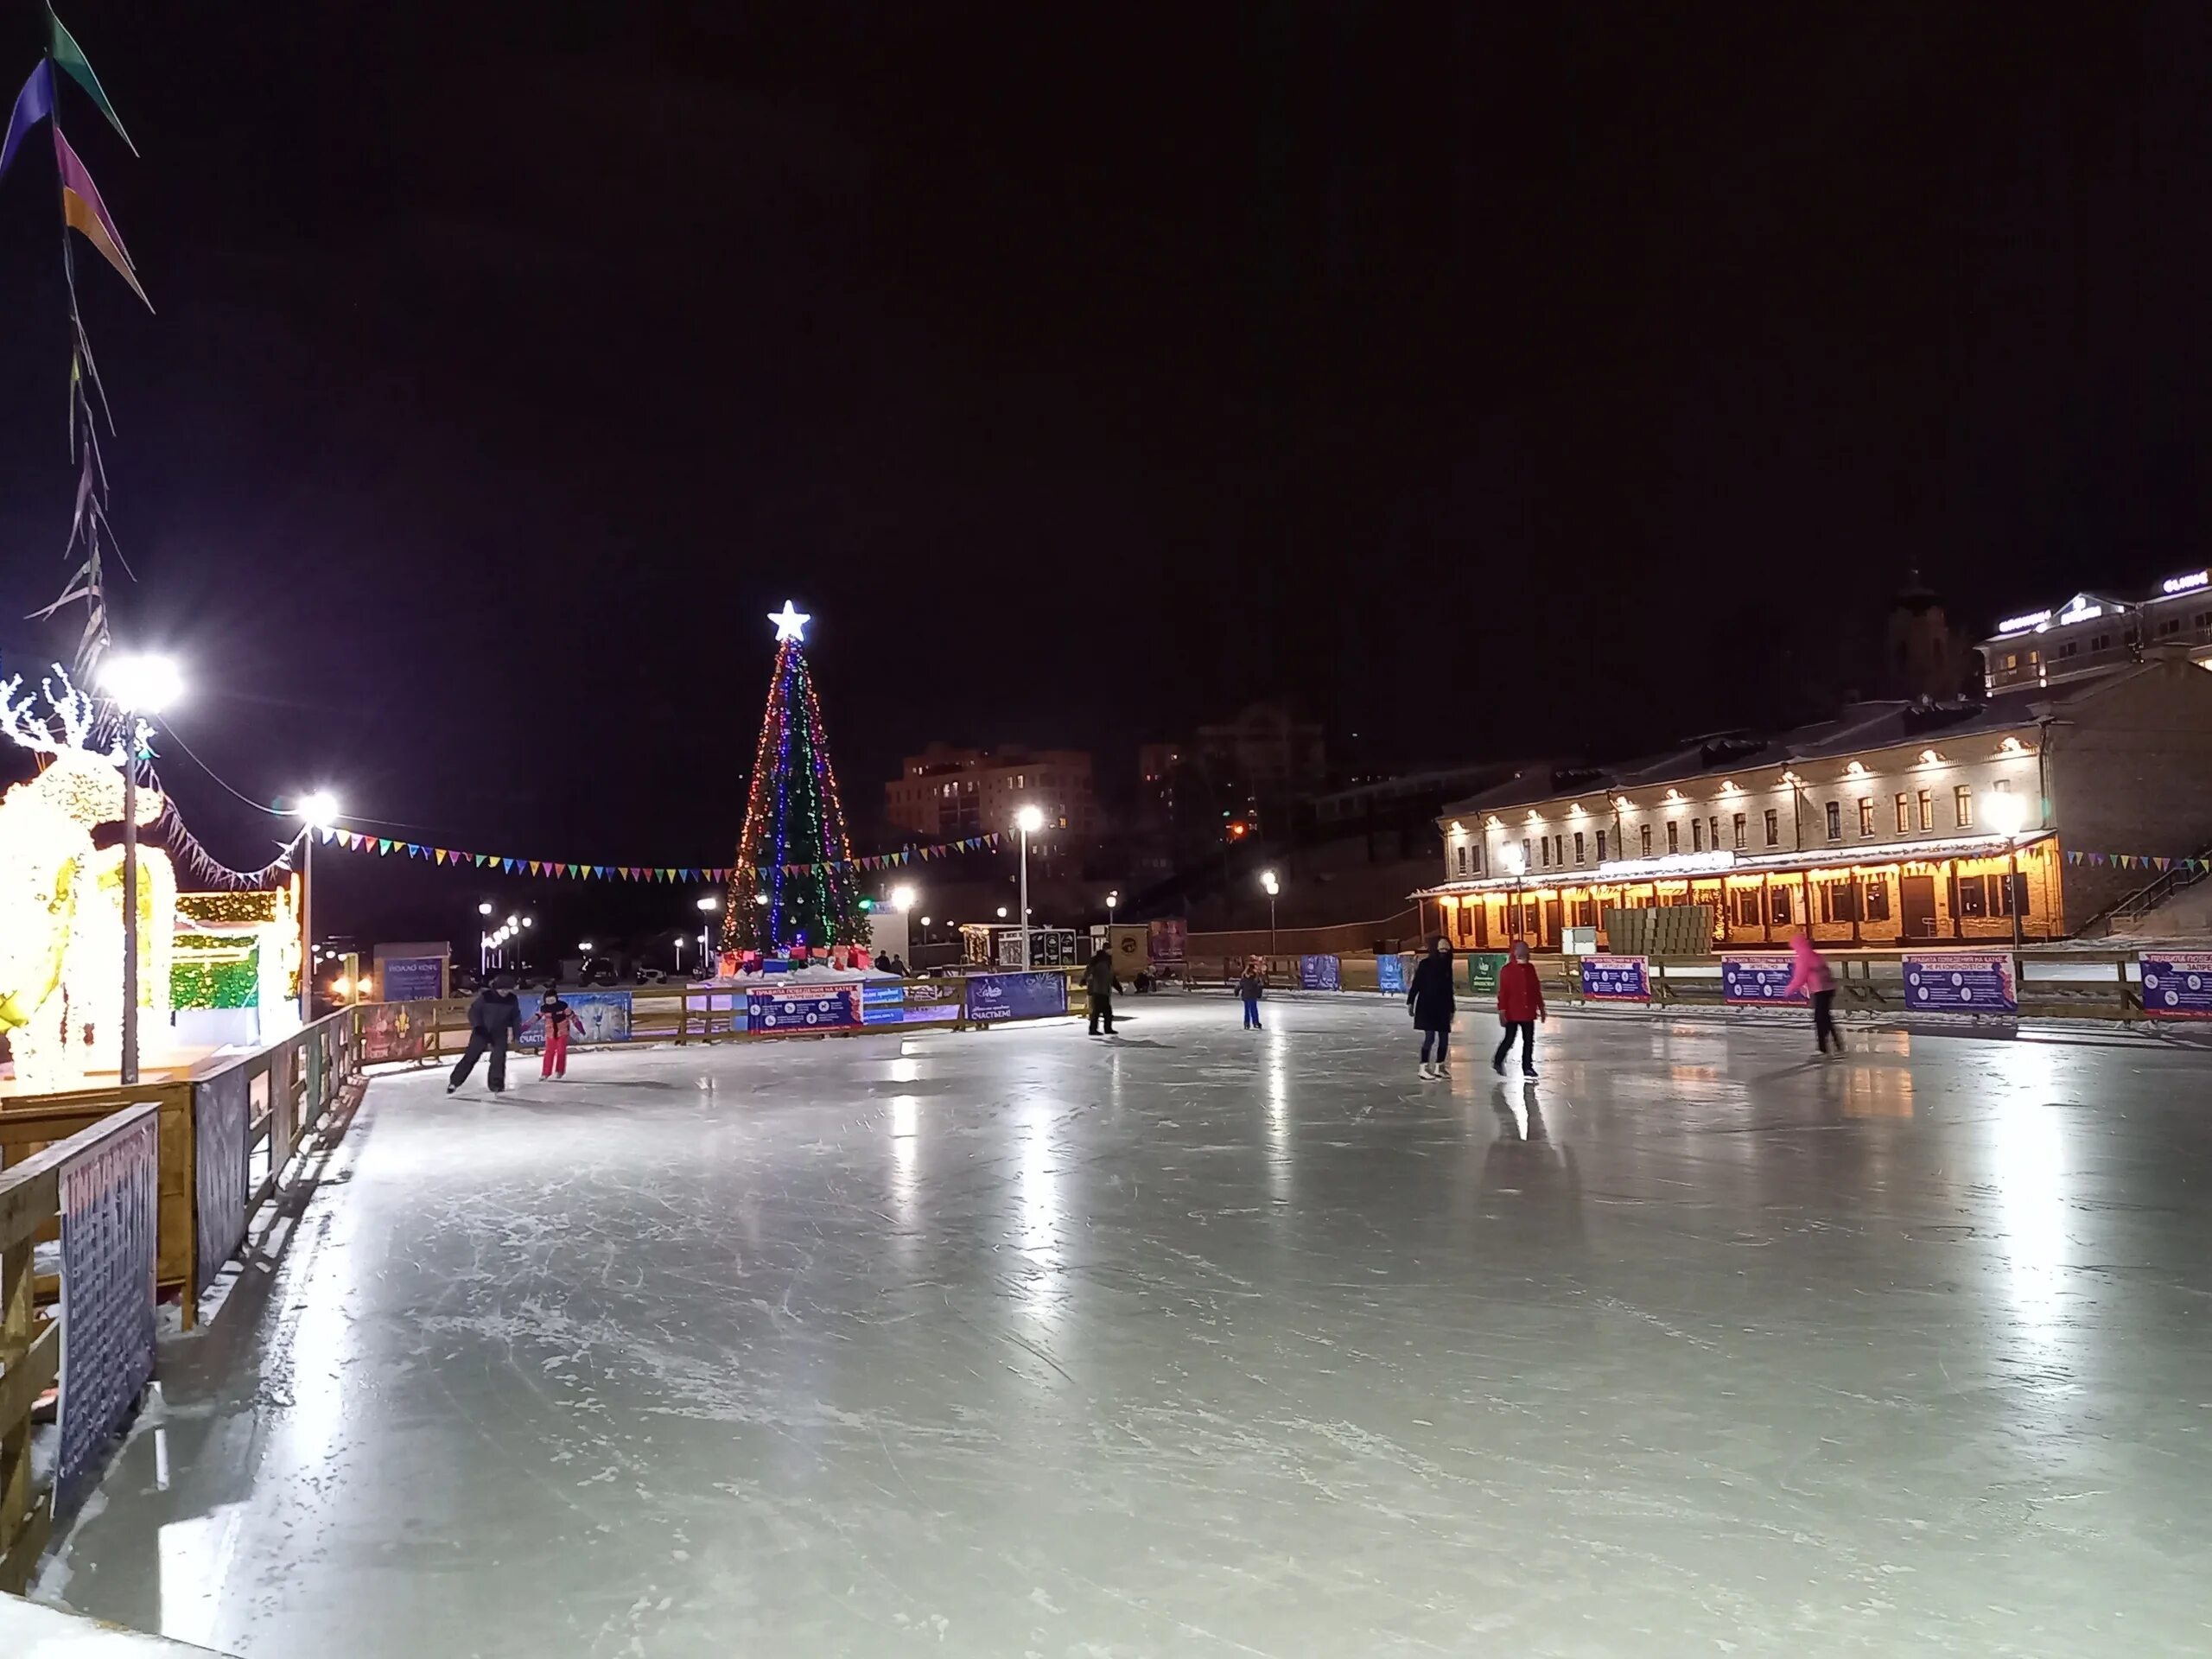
(2032, 1180)
(1279, 1142)
(1041, 1288)
(195, 1565)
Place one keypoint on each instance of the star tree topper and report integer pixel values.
(790, 623)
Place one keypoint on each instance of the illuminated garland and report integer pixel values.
(554, 869)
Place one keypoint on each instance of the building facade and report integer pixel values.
(945, 793)
(2093, 634)
(1885, 826)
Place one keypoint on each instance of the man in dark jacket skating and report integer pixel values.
(1098, 982)
(1433, 1005)
(493, 1017)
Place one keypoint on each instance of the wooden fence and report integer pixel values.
(110, 1238)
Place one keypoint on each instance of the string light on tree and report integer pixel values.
(794, 882)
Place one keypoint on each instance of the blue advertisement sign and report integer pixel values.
(1959, 982)
(798, 1009)
(994, 997)
(2177, 985)
(605, 1016)
(1616, 979)
(1319, 973)
(1753, 981)
(413, 979)
(1390, 972)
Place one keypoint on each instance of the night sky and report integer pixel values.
(1483, 384)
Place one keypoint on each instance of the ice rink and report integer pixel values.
(1208, 1342)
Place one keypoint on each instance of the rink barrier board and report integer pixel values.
(2051, 984)
(104, 1175)
(687, 1014)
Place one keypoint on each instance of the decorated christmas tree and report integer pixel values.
(795, 881)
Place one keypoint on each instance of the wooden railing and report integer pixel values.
(31, 1202)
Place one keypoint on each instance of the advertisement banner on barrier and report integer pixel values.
(1170, 940)
(1482, 969)
(222, 1110)
(796, 1011)
(393, 1031)
(1959, 982)
(995, 997)
(109, 1192)
(1390, 974)
(605, 1016)
(412, 979)
(1758, 981)
(2178, 985)
(917, 1002)
(1616, 979)
(1320, 974)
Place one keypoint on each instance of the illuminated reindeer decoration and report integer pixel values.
(61, 898)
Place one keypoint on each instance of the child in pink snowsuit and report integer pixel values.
(1810, 973)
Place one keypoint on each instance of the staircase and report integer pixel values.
(2177, 904)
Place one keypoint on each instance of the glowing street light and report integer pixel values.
(140, 684)
(902, 898)
(318, 811)
(1267, 880)
(484, 909)
(1028, 820)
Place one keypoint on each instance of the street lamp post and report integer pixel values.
(1517, 865)
(2006, 813)
(139, 685)
(1029, 820)
(707, 907)
(317, 812)
(1267, 880)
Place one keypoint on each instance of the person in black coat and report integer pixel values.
(1429, 999)
(493, 1017)
(1098, 981)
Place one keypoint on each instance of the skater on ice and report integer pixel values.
(1810, 973)
(1433, 1005)
(1250, 988)
(1520, 1006)
(1098, 981)
(493, 1017)
(559, 1020)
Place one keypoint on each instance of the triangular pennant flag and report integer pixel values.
(441, 853)
(382, 846)
(71, 57)
(33, 104)
(83, 210)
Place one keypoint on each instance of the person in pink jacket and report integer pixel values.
(1810, 973)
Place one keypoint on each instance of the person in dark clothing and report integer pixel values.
(1251, 988)
(1520, 1005)
(1430, 1000)
(493, 1017)
(1098, 982)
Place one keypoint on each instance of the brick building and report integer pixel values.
(1872, 827)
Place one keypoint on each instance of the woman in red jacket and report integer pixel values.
(1520, 1005)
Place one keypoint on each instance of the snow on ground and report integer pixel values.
(1209, 1342)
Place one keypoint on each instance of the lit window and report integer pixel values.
(1962, 806)
(1928, 809)
(1905, 814)
(1866, 814)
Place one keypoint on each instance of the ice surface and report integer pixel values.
(1210, 1342)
